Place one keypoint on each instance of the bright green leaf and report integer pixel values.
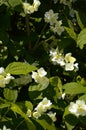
(10, 95)
(15, 108)
(79, 20)
(81, 40)
(4, 105)
(14, 3)
(74, 88)
(17, 68)
(83, 97)
(38, 87)
(29, 105)
(71, 33)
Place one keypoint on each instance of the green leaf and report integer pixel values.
(29, 105)
(57, 86)
(10, 95)
(44, 122)
(83, 97)
(71, 33)
(17, 68)
(38, 87)
(15, 108)
(4, 105)
(74, 88)
(14, 3)
(79, 20)
(81, 40)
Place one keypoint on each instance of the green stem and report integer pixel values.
(19, 124)
(37, 42)
(28, 30)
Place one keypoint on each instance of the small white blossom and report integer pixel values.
(51, 17)
(36, 114)
(52, 116)
(41, 72)
(1, 70)
(69, 66)
(44, 105)
(28, 113)
(63, 95)
(4, 128)
(78, 108)
(29, 9)
(38, 76)
(57, 28)
(8, 78)
(69, 59)
(36, 4)
(2, 81)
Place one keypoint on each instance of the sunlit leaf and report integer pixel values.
(81, 40)
(74, 88)
(71, 33)
(79, 20)
(15, 108)
(10, 95)
(17, 68)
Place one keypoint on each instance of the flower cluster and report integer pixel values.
(67, 61)
(78, 108)
(4, 78)
(55, 24)
(40, 76)
(4, 128)
(41, 108)
(29, 9)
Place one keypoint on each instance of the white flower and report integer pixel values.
(53, 52)
(69, 58)
(2, 81)
(41, 72)
(44, 105)
(29, 9)
(4, 128)
(78, 108)
(69, 66)
(51, 17)
(63, 95)
(36, 114)
(52, 116)
(1, 70)
(56, 57)
(28, 113)
(37, 76)
(8, 78)
(36, 4)
(57, 28)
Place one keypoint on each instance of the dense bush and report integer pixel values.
(42, 65)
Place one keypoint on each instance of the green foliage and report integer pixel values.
(16, 109)
(10, 95)
(18, 68)
(74, 88)
(71, 33)
(29, 40)
(79, 20)
(81, 40)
